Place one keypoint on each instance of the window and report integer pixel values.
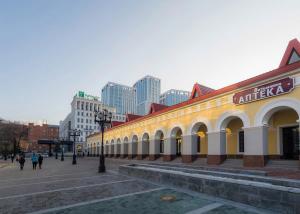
(81, 126)
(241, 141)
(82, 120)
(198, 144)
(82, 113)
(78, 113)
(78, 120)
(87, 120)
(161, 146)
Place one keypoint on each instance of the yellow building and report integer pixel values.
(256, 119)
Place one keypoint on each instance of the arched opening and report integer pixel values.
(98, 149)
(232, 137)
(158, 145)
(112, 148)
(118, 148)
(106, 148)
(199, 140)
(133, 147)
(143, 147)
(235, 143)
(283, 133)
(124, 150)
(176, 142)
(95, 151)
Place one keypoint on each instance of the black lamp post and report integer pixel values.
(103, 118)
(62, 158)
(74, 133)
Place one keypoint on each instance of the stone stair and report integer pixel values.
(279, 195)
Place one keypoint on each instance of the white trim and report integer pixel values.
(169, 132)
(264, 114)
(204, 121)
(226, 117)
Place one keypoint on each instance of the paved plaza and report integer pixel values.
(61, 187)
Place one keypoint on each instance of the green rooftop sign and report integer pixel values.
(82, 94)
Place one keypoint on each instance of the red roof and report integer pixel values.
(276, 72)
(116, 123)
(131, 117)
(156, 107)
(293, 45)
(199, 90)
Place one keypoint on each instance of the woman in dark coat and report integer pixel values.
(21, 162)
(40, 161)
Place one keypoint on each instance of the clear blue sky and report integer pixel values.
(50, 49)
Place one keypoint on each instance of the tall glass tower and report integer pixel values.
(121, 97)
(147, 92)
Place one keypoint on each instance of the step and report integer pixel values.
(241, 176)
(276, 198)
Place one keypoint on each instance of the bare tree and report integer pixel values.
(10, 136)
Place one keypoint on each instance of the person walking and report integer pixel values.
(34, 160)
(21, 162)
(40, 161)
(12, 158)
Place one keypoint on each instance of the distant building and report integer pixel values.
(173, 96)
(147, 92)
(119, 96)
(82, 117)
(37, 132)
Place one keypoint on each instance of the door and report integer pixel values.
(290, 142)
(178, 146)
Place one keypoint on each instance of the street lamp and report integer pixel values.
(103, 118)
(62, 158)
(74, 133)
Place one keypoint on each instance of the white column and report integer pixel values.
(256, 146)
(189, 148)
(256, 140)
(216, 147)
(217, 143)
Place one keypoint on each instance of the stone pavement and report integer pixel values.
(61, 187)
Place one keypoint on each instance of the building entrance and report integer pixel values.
(290, 142)
(178, 146)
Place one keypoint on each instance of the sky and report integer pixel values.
(51, 49)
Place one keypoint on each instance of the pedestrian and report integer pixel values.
(21, 162)
(12, 158)
(40, 161)
(34, 160)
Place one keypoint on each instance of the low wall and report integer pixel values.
(258, 194)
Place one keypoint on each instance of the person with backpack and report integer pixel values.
(40, 161)
(34, 160)
(21, 162)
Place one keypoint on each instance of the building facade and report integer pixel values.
(254, 120)
(38, 132)
(82, 117)
(147, 92)
(173, 96)
(119, 96)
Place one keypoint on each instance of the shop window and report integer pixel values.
(241, 141)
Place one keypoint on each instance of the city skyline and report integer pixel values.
(50, 50)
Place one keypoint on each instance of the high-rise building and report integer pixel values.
(82, 117)
(119, 96)
(147, 92)
(173, 96)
